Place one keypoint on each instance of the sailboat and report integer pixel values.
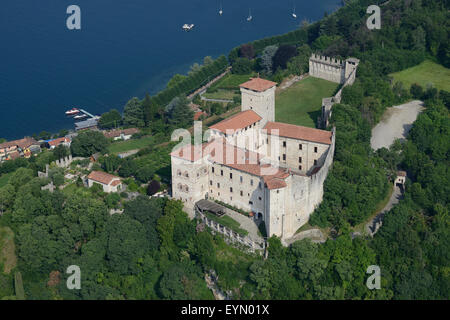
(249, 15)
(220, 11)
(294, 14)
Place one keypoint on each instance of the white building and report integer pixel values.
(65, 141)
(253, 163)
(109, 182)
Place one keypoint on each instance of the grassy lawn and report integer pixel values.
(4, 178)
(232, 81)
(228, 222)
(425, 73)
(228, 86)
(8, 257)
(159, 160)
(221, 94)
(123, 146)
(301, 103)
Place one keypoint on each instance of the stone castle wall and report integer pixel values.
(327, 68)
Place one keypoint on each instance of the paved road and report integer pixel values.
(246, 223)
(395, 124)
(373, 225)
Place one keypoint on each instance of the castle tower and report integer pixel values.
(350, 65)
(259, 95)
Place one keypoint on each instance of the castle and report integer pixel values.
(333, 69)
(275, 170)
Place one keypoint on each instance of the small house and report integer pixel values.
(109, 182)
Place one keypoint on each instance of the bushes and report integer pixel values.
(192, 82)
(243, 66)
(89, 142)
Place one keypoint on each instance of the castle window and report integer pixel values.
(259, 185)
(241, 179)
(210, 182)
(284, 157)
(284, 144)
(179, 172)
(251, 182)
(231, 175)
(242, 193)
(212, 169)
(300, 147)
(218, 185)
(278, 191)
(259, 198)
(300, 168)
(315, 149)
(221, 172)
(231, 189)
(267, 140)
(250, 202)
(300, 159)
(315, 162)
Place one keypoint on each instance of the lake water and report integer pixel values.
(124, 49)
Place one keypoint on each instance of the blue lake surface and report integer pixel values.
(124, 49)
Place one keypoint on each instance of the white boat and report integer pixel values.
(250, 17)
(72, 112)
(220, 10)
(81, 116)
(188, 27)
(294, 14)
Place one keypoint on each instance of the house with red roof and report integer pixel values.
(109, 182)
(253, 163)
(65, 141)
(14, 149)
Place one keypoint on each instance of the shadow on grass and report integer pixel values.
(314, 115)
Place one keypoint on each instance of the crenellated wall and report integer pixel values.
(335, 70)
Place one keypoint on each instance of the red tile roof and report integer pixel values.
(299, 132)
(238, 121)
(249, 162)
(401, 173)
(102, 177)
(236, 158)
(198, 114)
(21, 143)
(58, 141)
(258, 84)
(116, 182)
(14, 155)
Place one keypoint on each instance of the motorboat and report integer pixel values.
(72, 112)
(188, 27)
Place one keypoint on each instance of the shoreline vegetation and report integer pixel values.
(152, 250)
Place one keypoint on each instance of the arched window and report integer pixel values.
(179, 172)
(186, 174)
(186, 188)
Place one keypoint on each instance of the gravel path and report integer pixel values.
(395, 124)
(373, 225)
(246, 223)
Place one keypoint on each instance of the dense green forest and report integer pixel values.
(154, 251)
